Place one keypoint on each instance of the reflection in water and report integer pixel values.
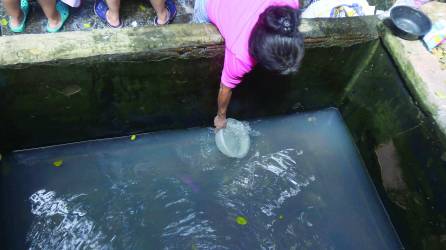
(302, 186)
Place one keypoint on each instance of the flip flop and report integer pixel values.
(64, 13)
(172, 12)
(100, 9)
(24, 6)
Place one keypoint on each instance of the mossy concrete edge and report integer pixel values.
(424, 78)
(160, 43)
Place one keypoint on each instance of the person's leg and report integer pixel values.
(161, 11)
(49, 8)
(12, 8)
(112, 14)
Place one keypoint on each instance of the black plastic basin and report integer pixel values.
(409, 23)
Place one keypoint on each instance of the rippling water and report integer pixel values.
(302, 186)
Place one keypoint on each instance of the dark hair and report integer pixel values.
(275, 41)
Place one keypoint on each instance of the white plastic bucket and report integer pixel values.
(233, 141)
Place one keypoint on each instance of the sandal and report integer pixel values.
(64, 13)
(24, 6)
(171, 11)
(100, 9)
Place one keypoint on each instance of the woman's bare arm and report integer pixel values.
(224, 97)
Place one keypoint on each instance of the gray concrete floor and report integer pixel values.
(135, 13)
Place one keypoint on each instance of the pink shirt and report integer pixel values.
(235, 20)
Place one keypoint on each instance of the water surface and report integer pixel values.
(302, 186)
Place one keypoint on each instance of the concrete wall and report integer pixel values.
(402, 149)
(48, 104)
(160, 43)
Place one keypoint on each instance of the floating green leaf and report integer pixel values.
(58, 163)
(241, 220)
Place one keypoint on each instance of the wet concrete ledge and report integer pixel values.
(160, 43)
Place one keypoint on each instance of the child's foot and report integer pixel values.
(113, 20)
(162, 17)
(17, 24)
(101, 10)
(16, 21)
(167, 15)
(55, 22)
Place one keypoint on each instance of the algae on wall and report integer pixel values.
(402, 152)
(51, 104)
(46, 105)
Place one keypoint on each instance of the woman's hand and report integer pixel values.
(219, 122)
